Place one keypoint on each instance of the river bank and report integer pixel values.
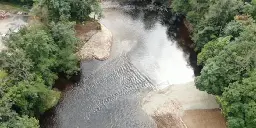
(182, 106)
(96, 41)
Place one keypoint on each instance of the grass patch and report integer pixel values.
(13, 8)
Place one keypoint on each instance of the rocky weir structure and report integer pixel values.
(96, 41)
(107, 97)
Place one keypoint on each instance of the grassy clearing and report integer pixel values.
(12, 7)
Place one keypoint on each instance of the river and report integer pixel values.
(151, 50)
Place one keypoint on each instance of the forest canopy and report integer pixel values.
(224, 35)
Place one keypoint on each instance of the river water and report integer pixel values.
(151, 50)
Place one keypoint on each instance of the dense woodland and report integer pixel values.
(35, 56)
(224, 32)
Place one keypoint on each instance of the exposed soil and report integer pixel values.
(168, 121)
(82, 30)
(211, 118)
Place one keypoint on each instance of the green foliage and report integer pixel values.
(231, 65)
(239, 103)
(248, 34)
(208, 18)
(229, 62)
(42, 51)
(250, 8)
(236, 27)
(22, 2)
(25, 122)
(37, 50)
(19, 68)
(233, 28)
(34, 57)
(20, 122)
(64, 36)
(31, 97)
(219, 13)
(181, 6)
(212, 49)
(68, 10)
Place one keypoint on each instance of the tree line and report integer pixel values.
(35, 55)
(224, 34)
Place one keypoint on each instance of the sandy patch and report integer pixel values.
(187, 96)
(204, 119)
(169, 105)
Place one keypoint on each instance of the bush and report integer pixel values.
(212, 49)
(42, 51)
(67, 10)
(239, 103)
(21, 122)
(22, 2)
(230, 65)
(35, 55)
(229, 62)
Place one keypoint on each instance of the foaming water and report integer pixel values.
(149, 49)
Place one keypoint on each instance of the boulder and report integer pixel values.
(96, 44)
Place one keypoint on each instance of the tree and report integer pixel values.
(230, 65)
(68, 10)
(212, 49)
(181, 6)
(229, 61)
(210, 27)
(42, 51)
(16, 64)
(239, 103)
(63, 33)
(20, 122)
(23, 2)
(31, 97)
(39, 49)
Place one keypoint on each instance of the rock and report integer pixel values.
(19, 13)
(97, 44)
(188, 25)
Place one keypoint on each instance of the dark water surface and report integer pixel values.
(151, 50)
